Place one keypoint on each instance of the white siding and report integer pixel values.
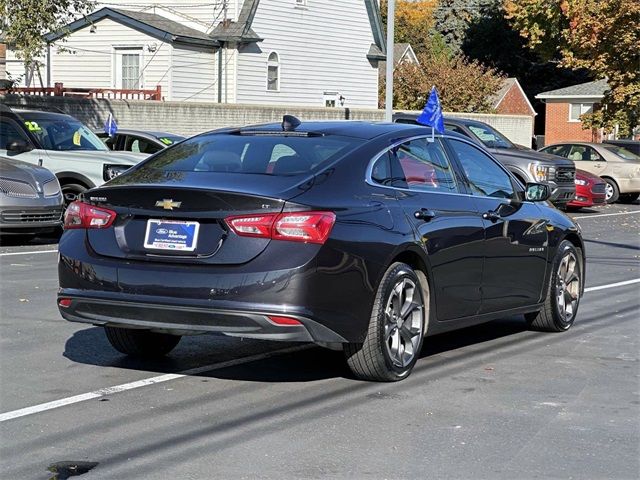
(194, 75)
(322, 48)
(87, 59)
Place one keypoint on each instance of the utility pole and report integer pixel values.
(388, 100)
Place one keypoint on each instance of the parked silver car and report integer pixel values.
(30, 199)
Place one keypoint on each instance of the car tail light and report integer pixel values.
(83, 215)
(308, 227)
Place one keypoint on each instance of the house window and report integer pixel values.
(127, 71)
(577, 109)
(273, 72)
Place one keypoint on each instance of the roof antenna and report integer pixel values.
(290, 123)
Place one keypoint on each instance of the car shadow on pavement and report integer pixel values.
(90, 346)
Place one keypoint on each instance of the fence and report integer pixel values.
(59, 90)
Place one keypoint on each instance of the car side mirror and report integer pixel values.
(19, 146)
(537, 192)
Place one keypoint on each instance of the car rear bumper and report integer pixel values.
(189, 317)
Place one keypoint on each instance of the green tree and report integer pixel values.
(453, 17)
(463, 85)
(601, 36)
(24, 22)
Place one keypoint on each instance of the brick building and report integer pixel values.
(564, 107)
(511, 99)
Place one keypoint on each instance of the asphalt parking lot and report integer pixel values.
(494, 401)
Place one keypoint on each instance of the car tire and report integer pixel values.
(70, 192)
(612, 192)
(628, 197)
(565, 285)
(141, 343)
(390, 349)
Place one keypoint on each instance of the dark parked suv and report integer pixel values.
(526, 164)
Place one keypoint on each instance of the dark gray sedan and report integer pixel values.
(139, 141)
(30, 199)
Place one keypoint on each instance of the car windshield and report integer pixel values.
(169, 139)
(258, 153)
(490, 137)
(64, 134)
(622, 152)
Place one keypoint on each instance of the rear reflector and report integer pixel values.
(83, 215)
(308, 227)
(64, 302)
(283, 321)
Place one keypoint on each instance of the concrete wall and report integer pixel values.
(192, 118)
(558, 128)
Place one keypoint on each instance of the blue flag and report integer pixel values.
(432, 113)
(110, 126)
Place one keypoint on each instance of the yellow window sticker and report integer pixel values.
(166, 141)
(77, 137)
(33, 126)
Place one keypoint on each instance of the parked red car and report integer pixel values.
(590, 190)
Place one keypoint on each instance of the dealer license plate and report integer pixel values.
(171, 235)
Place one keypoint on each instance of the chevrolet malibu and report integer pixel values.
(357, 236)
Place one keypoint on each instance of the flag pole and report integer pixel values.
(391, 11)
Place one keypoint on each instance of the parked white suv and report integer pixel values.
(64, 145)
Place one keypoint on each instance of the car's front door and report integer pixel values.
(445, 224)
(586, 158)
(515, 247)
(10, 132)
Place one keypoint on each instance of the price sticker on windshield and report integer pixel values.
(166, 141)
(77, 138)
(33, 126)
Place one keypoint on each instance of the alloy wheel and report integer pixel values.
(568, 287)
(403, 323)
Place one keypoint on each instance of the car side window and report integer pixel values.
(583, 153)
(10, 133)
(560, 150)
(387, 171)
(425, 166)
(455, 128)
(485, 176)
(140, 145)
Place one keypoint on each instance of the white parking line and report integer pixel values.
(27, 253)
(23, 412)
(606, 215)
(612, 285)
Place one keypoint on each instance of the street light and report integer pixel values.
(388, 101)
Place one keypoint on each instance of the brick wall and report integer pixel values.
(558, 128)
(514, 103)
(192, 118)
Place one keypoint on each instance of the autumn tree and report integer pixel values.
(599, 35)
(413, 22)
(453, 18)
(24, 22)
(463, 85)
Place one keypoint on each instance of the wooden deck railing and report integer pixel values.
(59, 90)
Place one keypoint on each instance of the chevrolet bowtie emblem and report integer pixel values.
(168, 204)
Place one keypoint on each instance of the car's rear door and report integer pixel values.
(586, 158)
(515, 246)
(445, 224)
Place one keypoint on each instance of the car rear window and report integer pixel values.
(256, 154)
(621, 152)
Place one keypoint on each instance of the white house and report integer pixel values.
(284, 52)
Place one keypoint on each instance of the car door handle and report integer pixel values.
(491, 215)
(424, 214)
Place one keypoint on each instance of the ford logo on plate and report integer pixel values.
(162, 231)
